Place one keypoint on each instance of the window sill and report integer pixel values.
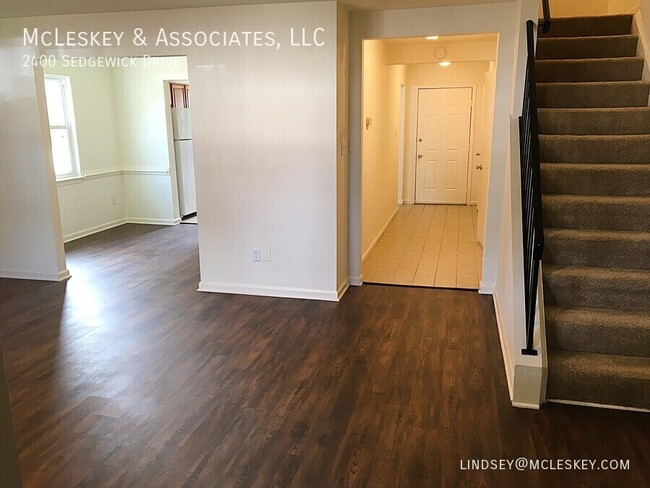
(68, 180)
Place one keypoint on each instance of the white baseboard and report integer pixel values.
(356, 280)
(507, 362)
(381, 233)
(486, 288)
(343, 287)
(530, 406)
(269, 291)
(116, 223)
(93, 230)
(598, 405)
(22, 275)
(136, 220)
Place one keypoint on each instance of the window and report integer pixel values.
(62, 130)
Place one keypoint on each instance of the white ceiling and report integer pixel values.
(26, 8)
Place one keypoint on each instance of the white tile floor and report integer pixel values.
(428, 245)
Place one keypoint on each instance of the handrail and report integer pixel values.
(531, 194)
(546, 21)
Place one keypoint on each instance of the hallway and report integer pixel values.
(428, 245)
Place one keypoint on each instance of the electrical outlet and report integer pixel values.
(114, 200)
(256, 254)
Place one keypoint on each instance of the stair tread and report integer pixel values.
(596, 364)
(596, 316)
(583, 38)
(621, 59)
(613, 199)
(591, 272)
(596, 165)
(595, 110)
(627, 235)
(597, 137)
(594, 83)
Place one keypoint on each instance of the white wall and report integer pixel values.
(644, 9)
(87, 205)
(342, 170)
(143, 136)
(123, 146)
(264, 125)
(381, 91)
(31, 240)
(573, 8)
(525, 373)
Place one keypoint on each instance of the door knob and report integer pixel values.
(419, 156)
(419, 139)
(479, 166)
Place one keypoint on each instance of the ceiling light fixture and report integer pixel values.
(444, 63)
(432, 38)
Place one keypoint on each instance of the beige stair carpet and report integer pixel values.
(594, 124)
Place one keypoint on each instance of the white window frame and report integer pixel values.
(69, 126)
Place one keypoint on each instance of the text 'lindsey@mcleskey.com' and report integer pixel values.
(525, 464)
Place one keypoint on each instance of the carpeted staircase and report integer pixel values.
(594, 124)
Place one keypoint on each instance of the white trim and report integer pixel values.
(381, 233)
(530, 406)
(343, 288)
(26, 275)
(268, 291)
(598, 405)
(93, 230)
(485, 289)
(101, 174)
(409, 202)
(504, 348)
(111, 172)
(643, 46)
(400, 144)
(136, 171)
(356, 280)
(136, 220)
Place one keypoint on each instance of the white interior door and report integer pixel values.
(443, 145)
(486, 151)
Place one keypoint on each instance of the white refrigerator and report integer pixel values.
(184, 160)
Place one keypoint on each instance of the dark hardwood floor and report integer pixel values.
(126, 376)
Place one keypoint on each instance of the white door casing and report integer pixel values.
(486, 151)
(443, 142)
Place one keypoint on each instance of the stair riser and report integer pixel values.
(589, 26)
(571, 214)
(603, 253)
(554, 95)
(583, 387)
(576, 291)
(599, 339)
(600, 70)
(589, 150)
(597, 122)
(588, 179)
(596, 47)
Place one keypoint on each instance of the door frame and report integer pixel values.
(413, 133)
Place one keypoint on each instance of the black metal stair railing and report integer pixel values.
(531, 194)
